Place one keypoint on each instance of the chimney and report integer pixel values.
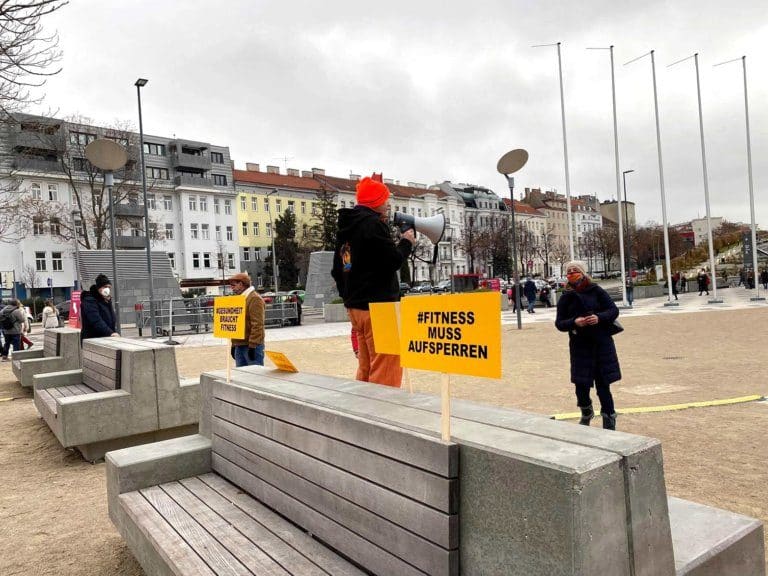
(251, 167)
(306, 174)
(318, 171)
(354, 176)
(293, 172)
(273, 170)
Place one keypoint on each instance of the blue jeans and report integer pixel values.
(531, 304)
(630, 295)
(11, 340)
(241, 356)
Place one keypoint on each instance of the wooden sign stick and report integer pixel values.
(229, 361)
(408, 382)
(445, 412)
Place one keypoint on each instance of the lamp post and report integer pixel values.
(508, 164)
(140, 83)
(76, 223)
(109, 156)
(274, 254)
(749, 178)
(669, 301)
(628, 251)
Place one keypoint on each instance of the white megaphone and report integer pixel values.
(432, 227)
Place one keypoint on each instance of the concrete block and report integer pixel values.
(335, 313)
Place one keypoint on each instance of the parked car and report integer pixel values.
(557, 281)
(404, 288)
(423, 288)
(268, 297)
(442, 286)
(299, 293)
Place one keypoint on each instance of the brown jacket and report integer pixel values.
(254, 321)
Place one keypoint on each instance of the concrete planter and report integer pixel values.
(335, 313)
(649, 291)
(504, 301)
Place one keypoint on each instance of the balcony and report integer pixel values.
(36, 164)
(191, 161)
(36, 141)
(198, 181)
(130, 242)
(129, 210)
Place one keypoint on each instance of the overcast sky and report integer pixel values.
(429, 90)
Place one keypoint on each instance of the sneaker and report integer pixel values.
(5, 359)
(30, 345)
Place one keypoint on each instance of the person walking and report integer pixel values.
(588, 314)
(675, 283)
(365, 264)
(50, 315)
(96, 313)
(764, 278)
(703, 281)
(529, 289)
(630, 286)
(544, 296)
(250, 350)
(12, 321)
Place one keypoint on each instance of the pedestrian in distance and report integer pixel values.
(96, 311)
(511, 296)
(630, 286)
(545, 296)
(588, 314)
(529, 289)
(703, 281)
(250, 350)
(764, 278)
(26, 329)
(365, 264)
(50, 315)
(675, 283)
(12, 321)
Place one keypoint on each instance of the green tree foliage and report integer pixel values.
(287, 252)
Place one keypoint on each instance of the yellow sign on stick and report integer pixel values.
(281, 361)
(386, 328)
(457, 334)
(229, 317)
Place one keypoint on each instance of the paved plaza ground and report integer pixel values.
(53, 509)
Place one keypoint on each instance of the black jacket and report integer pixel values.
(98, 317)
(366, 259)
(593, 353)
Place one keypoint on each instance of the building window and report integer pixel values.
(206, 260)
(269, 229)
(193, 203)
(193, 231)
(55, 227)
(343, 204)
(36, 192)
(246, 254)
(135, 230)
(157, 173)
(278, 206)
(81, 138)
(219, 180)
(254, 203)
(38, 228)
(228, 207)
(245, 228)
(291, 206)
(40, 265)
(217, 158)
(266, 204)
(80, 164)
(151, 205)
(169, 231)
(196, 260)
(242, 203)
(154, 149)
(216, 208)
(57, 264)
(255, 228)
(53, 192)
(218, 232)
(167, 202)
(303, 207)
(203, 203)
(230, 233)
(204, 228)
(231, 260)
(172, 259)
(314, 208)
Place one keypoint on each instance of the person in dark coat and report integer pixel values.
(529, 289)
(587, 313)
(97, 314)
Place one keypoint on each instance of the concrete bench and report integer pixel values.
(272, 485)
(60, 351)
(126, 393)
(544, 497)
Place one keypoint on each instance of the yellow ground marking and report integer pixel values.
(670, 407)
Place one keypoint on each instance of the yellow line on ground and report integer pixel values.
(6, 399)
(670, 407)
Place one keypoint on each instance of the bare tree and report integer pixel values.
(546, 246)
(472, 241)
(560, 252)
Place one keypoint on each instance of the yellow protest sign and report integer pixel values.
(386, 328)
(457, 334)
(281, 361)
(229, 317)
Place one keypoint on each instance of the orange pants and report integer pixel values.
(375, 368)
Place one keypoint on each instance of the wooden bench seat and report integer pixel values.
(49, 395)
(60, 351)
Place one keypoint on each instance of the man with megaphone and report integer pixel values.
(365, 266)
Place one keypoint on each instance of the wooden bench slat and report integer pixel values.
(168, 544)
(100, 368)
(93, 379)
(408, 546)
(236, 543)
(64, 391)
(360, 550)
(101, 348)
(94, 358)
(292, 548)
(214, 554)
(47, 399)
(85, 389)
(423, 521)
(54, 392)
(431, 489)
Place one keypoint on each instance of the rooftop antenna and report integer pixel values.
(285, 161)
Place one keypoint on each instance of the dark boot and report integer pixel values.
(609, 420)
(587, 413)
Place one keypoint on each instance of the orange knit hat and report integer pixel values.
(371, 193)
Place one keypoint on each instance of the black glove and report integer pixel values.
(251, 354)
(232, 352)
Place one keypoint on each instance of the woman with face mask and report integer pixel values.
(97, 314)
(587, 313)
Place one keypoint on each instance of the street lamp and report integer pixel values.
(628, 251)
(109, 156)
(508, 164)
(274, 254)
(140, 83)
(76, 223)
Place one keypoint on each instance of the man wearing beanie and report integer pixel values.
(96, 312)
(365, 266)
(250, 350)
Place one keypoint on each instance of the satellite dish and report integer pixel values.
(106, 154)
(512, 161)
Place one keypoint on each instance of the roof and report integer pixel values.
(269, 179)
(522, 208)
(398, 191)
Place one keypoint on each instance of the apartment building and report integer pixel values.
(190, 202)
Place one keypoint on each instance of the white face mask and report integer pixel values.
(105, 292)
